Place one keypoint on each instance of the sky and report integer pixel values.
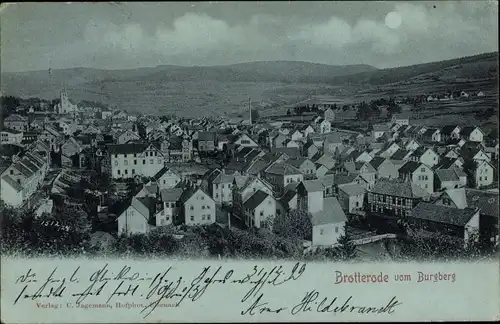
(114, 35)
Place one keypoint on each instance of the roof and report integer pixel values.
(207, 136)
(398, 189)
(380, 128)
(429, 132)
(12, 183)
(486, 201)
(255, 200)
(467, 130)
(332, 213)
(290, 151)
(410, 167)
(283, 169)
(448, 129)
(377, 161)
(403, 115)
(352, 189)
(297, 162)
(313, 185)
(447, 175)
(443, 214)
(173, 194)
(128, 148)
(16, 117)
(144, 205)
(344, 178)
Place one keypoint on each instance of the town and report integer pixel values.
(321, 181)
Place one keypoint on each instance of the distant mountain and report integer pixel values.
(278, 71)
(472, 67)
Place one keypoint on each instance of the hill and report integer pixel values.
(477, 66)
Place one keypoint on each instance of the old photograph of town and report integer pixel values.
(315, 131)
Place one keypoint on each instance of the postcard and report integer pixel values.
(166, 162)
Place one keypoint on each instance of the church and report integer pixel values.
(66, 106)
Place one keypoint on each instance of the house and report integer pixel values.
(401, 119)
(425, 155)
(199, 208)
(412, 145)
(207, 141)
(325, 126)
(259, 210)
(484, 174)
(480, 94)
(129, 160)
(222, 187)
(450, 179)
(477, 154)
(23, 178)
(278, 140)
(16, 122)
(462, 224)
(351, 197)
(168, 211)
(431, 135)
(389, 150)
(167, 178)
(11, 136)
(379, 130)
(449, 163)
(70, 153)
(310, 150)
(487, 202)
(450, 132)
(328, 224)
(305, 165)
(393, 197)
(310, 195)
(282, 174)
(472, 133)
(419, 174)
(329, 115)
(244, 140)
(127, 136)
(384, 168)
(137, 218)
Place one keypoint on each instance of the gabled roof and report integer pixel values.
(447, 175)
(171, 195)
(352, 189)
(16, 186)
(344, 178)
(332, 213)
(127, 148)
(398, 189)
(443, 214)
(376, 162)
(486, 201)
(410, 167)
(313, 185)
(207, 136)
(467, 130)
(255, 200)
(283, 169)
(448, 129)
(297, 162)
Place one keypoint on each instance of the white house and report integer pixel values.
(167, 178)
(418, 173)
(127, 136)
(129, 160)
(170, 207)
(136, 218)
(259, 209)
(472, 133)
(351, 197)
(253, 185)
(199, 209)
(328, 224)
(484, 174)
(401, 119)
(245, 141)
(325, 126)
(11, 136)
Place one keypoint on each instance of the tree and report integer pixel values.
(469, 168)
(346, 249)
(295, 224)
(288, 112)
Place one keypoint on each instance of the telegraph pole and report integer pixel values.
(250, 109)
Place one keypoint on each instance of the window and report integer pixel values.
(321, 231)
(116, 155)
(164, 181)
(202, 207)
(151, 161)
(126, 171)
(422, 170)
(485, 178)
(202, 217)
(159, 161)
(426, 186)
(168, 218)
(222, 186)
(156, 153)
(357, 203)
(192, 208)
(480, 178)
(202, 197)
(135, 162)
(125, 162)
(11, 171)
(216, 195)
(254, 189)
(143, 161)
(208, 217)
(135, 154)
(336, 229)
(124, 155)
(216, 186)
(261, 214)
(133, 171)
(192, 218)
(19, 181)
